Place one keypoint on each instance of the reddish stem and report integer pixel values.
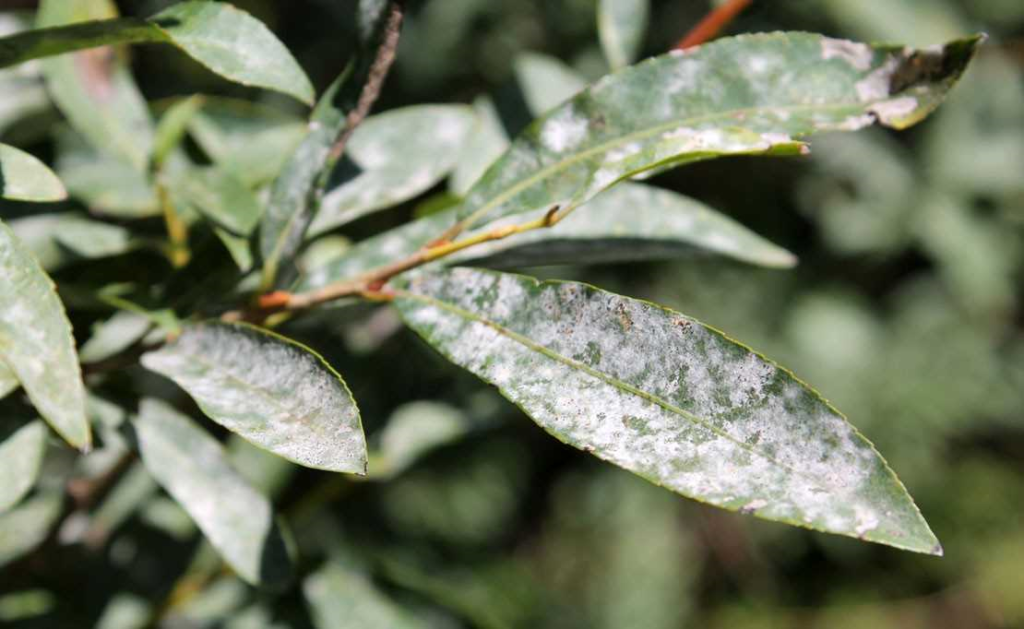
(713, 23)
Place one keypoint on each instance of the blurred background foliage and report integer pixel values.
(905, 310)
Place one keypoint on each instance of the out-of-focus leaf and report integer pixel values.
(113, 336)
(22, 93)
(546, 81)
(398, 154)
(744, 95)
(247, 140)
(129, 495)
(93, 89)
(267, 473)
(21, 455)
(341, 597)
(627, 223)
(124, 611)
(298, 191)
(413, 430)
(485, 143)
(192, 467)
(173, 125)
(106, 184)
(36, 342)
(25, 178)
(272, 391)
(220, 196)
(8, 381)
(27, 525)
(238, 248)
(226, 40)
(91, 239)
(915, 22)
(26, 604)
(621, 25)
(667, 398)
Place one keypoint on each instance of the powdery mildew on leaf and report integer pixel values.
(193, 468)
(780, 85)
(668, 398)
(276, 393)
(36, 342)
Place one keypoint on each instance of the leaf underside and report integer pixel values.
(667, 398)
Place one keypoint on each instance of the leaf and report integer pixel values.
(343, 596)
(21, 456)
(274, 392)
(8, 381)
(249, 141)
(668, 398)
(297, 192)
(27, 525)
(628, 223)
(106, 184)
(546, 81)
(25, 178)
(413, 430)
(91, 240)
(235, 45)
(36, 342)
(93, 89)
(750, 94)
(219, 196)
(227, 41)
(621, 25)
(399, 154)
(114, 335)
(173, 126)
(484, 144)
(191, 466)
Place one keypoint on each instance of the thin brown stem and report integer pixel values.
(713, 23)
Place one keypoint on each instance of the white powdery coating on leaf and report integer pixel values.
(876, 85)
(660, 395)
(856, 54)
(275, 394)
(896, 109)
(564, 130)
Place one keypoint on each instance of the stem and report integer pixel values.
(713, 23)
(177, 230)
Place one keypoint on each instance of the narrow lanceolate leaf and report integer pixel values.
(27, 525)
(628, 223)
(546, 81)
(193, 468)
(397, 155)
(94, 89)
(62, 238)
(298, 190)
(173, 125)
(21, 454)
(219, 196)
(226, 40)
(274, 392)
(342, 596)
(667, 398)
(25, 178)
(36, 342)
(621, 25)
(114, 335)
(744, 95)
(103, 182)
(485, 143)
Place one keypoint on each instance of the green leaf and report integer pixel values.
(114, 335)
(274, 392)
(8, 381)
(628, 223)
(249, 141)
(25, 178)
(621, 25)
(36, 342)
(192, 467)
(93, 89)
(59, 239)
(750, 94)
(227, 41)
(21, 455)
(398, 155)
(485, 143)
(106, 184)
(667, 398)
(173, 125)
(413, 430)
(343, 596)
(298, 190)
(546, 81)
(219, 196)
(27, 525)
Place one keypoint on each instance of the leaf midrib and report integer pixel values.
(611, 380)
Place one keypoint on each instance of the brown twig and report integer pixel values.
(713, 23)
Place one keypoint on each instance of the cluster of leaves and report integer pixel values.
(651, 390)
